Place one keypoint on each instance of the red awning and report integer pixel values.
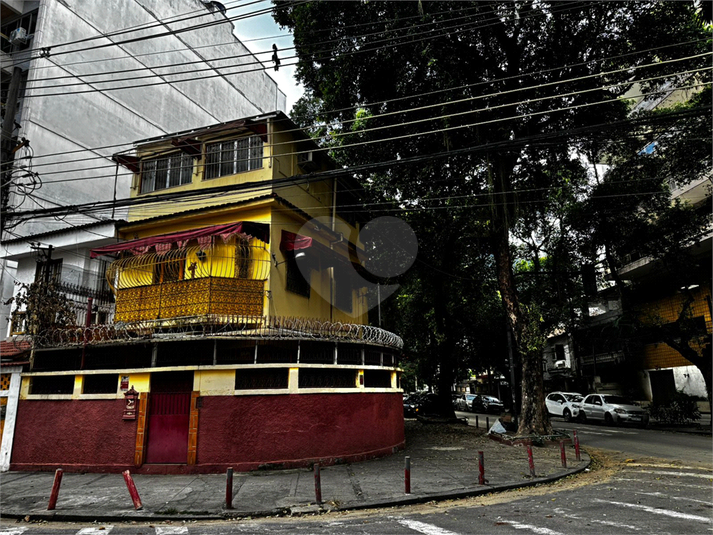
(164, 242)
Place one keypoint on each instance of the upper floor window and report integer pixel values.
(166, 172)
(235, 156)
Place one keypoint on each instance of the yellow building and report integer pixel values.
(240, 321)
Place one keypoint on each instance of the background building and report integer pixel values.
(84, 80)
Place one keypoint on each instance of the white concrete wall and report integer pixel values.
(75, 121)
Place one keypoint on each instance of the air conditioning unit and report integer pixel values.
(18, 36)
(559, 364)
(306, 161)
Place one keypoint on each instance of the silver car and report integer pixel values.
(564, 404)
(612, 410)
(464, 402)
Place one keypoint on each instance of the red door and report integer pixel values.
(168, 428)
(168, 418)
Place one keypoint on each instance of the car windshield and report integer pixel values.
(490, 398)
(617, 400)
(573, 397)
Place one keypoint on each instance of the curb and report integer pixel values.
(299, 510)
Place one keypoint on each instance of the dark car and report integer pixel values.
(410, 405)
(483, 403)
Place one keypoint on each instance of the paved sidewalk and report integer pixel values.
(444, 464)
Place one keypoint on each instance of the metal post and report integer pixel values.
(563, 454)
(55, 489)
(481, 469)
(317, 484)
(477, 424)
(487, 423)
(512, 372)
(87, 323)
(576, 446)
(530, 460)
(407, 475)
(229, 489)
(132, 490)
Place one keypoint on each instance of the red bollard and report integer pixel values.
(576, 446)
(317, 484)
(563, 454)
(132, 490)
(407, 475)
(229, 489)
(481, 469)
(530, 460)
(55, 489)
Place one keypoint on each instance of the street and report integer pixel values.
(642, 481)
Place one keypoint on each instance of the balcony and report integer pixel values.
(193, 297)
(220, 280)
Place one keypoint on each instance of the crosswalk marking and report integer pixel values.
(681, 498)
(676, 483)
(101, 530)
(426, 529)
(679, 474)
(565, 514)
(664, 512)
(535, 529)
(171, 530)
(13, 531)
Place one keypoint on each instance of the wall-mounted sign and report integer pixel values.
(131, 399)
(124, 383)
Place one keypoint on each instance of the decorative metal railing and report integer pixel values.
(215, 326)
(223, 279)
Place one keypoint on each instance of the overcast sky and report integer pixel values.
(259, 34)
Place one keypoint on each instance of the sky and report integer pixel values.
(259, 33)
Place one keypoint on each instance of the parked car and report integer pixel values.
(564, 404)
(612, 410)
(409, 405)
(464, 402)
(482, 403)
(426, 404)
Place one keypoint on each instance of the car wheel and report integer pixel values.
(608, 419)
(567, 415)
(582, 417)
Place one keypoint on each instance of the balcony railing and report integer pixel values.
(226, 279)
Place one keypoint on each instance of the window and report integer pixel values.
(329, 378)
(232, 157)
(18, 325)
(166, 172)
(54, 384)
(101, 384)
(265, 379)
(28, 21)
(296, 283)
(377, 379)
(51, 269)
(343, 285)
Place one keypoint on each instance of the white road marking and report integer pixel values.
(685, 474)
(171, 530)
(105, 530)
(534, 529)
(655, 465)
(662, 495)
(426, 529)
(565, 514)
(13, 531)
(664, 512)
(588, 432)
(676, 483)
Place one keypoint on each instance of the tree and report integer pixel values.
(487, 101)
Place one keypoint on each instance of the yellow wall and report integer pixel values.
(666, 310)
(214, 382)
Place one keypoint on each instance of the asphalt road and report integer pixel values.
(645, 481)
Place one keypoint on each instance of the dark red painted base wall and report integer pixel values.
(245, 432)
(53, 434)
(290, 428)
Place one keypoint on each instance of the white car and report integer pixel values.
(564, 404)
(612, 410)
(464, 402)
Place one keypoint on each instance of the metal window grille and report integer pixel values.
(377, 379)
(166, 172)
(317, 352)
(295, 281)
(101, 384)
(266, 379)
(327, 378)
(235, 156)
(55, 384)
(349, 354)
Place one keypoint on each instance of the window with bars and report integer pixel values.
(265, 379)
(231, 157)
(327, 378)
(295, 280)
(52, 384)
(100, 384)
(166, 172)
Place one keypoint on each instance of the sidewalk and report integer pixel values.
(444, 464)
(702, 426)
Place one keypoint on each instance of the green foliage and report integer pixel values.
(681, 409)
(46, 306)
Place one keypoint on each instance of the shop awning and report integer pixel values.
(204, 237)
